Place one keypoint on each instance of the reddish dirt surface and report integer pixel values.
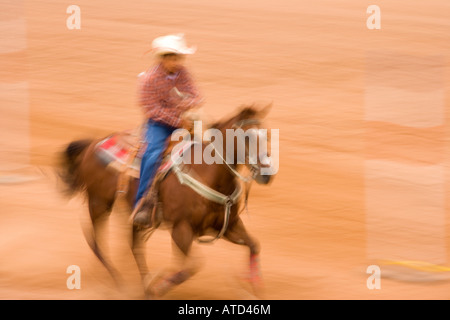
(311, 59)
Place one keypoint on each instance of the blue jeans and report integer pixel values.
(156, 137)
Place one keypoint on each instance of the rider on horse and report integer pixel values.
(166, 92)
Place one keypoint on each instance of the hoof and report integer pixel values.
(257, 287)
(157, 286)
(161, 288)
(147, 279)
(253, 284)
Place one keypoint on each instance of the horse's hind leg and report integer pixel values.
(99, 211)
(237, 233)
(182, 236)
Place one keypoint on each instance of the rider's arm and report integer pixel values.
(149, 96)
(188, 92)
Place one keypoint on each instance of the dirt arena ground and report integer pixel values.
(364, 148)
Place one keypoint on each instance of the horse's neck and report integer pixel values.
(217, 175)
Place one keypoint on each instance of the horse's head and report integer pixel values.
(248, 142)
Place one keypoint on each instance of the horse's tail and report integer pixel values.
(70, 172)
(69, 165)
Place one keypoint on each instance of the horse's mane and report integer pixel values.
(244, 112)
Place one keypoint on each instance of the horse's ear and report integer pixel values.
(262, 113)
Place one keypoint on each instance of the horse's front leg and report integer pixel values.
(138, 249)
(182, 236)
(237, 233)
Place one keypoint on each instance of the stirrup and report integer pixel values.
(142, 218)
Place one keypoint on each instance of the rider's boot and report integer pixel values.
(143, 213)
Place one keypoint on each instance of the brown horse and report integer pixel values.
(190, 214)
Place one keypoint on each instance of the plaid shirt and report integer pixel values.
(159, 99)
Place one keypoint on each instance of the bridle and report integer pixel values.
(253, 168)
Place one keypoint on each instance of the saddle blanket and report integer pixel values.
(122, 152)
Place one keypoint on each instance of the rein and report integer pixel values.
(239, 125)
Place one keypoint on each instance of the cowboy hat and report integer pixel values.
(171, 44)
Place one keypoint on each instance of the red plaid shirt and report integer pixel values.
(159, 99)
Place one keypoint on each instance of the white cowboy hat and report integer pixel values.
(174, 43)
